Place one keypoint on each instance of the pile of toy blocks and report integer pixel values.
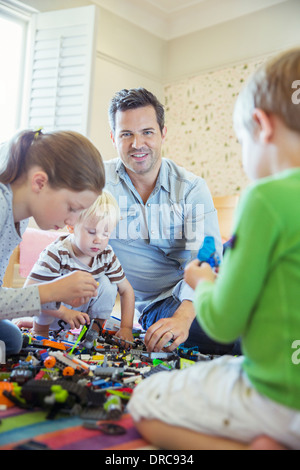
(89, 374)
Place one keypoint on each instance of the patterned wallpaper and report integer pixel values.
(200, 133)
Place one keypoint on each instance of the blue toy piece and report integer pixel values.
(207, 252)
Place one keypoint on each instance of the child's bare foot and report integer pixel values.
(266, 443)
(40, 330)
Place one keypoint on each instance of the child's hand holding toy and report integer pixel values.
(203, 268)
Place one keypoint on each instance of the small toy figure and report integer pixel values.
(91, 335)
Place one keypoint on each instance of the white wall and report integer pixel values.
(264, 32)
(204, 73)
(109, 78)
(127, 57)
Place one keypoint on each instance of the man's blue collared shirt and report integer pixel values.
(154, 241)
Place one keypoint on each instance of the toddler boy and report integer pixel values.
(87, 249)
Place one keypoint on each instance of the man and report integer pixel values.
(165, 214)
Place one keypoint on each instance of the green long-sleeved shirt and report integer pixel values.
(257, 294)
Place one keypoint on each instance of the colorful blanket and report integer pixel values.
(63, 433)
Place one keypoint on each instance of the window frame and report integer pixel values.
(33, 18)
(18, 12)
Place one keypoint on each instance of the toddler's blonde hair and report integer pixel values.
(105, 206)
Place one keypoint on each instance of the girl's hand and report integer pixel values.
(24, 323)
(71, 289)
(79, 301)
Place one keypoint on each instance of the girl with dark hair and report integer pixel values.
(51, 177)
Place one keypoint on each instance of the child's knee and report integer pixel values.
(102, 306)
(107, 288)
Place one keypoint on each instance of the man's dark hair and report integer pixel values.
(132, 99)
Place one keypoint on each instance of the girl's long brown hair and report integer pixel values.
(70, 160)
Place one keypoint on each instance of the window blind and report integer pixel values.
(63, 56)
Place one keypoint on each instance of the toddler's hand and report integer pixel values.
(125, 334)
(74, 318)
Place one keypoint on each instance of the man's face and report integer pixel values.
(138, 139)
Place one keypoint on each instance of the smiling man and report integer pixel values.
(166, 212)
(139, 146)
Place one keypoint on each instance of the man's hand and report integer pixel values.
(175, 328)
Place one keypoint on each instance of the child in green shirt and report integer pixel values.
(251, 401)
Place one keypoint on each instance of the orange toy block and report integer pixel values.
(53, 344)
(3, 400)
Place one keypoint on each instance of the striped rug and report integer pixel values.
(63, 433)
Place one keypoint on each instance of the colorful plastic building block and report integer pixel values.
(207, 253)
